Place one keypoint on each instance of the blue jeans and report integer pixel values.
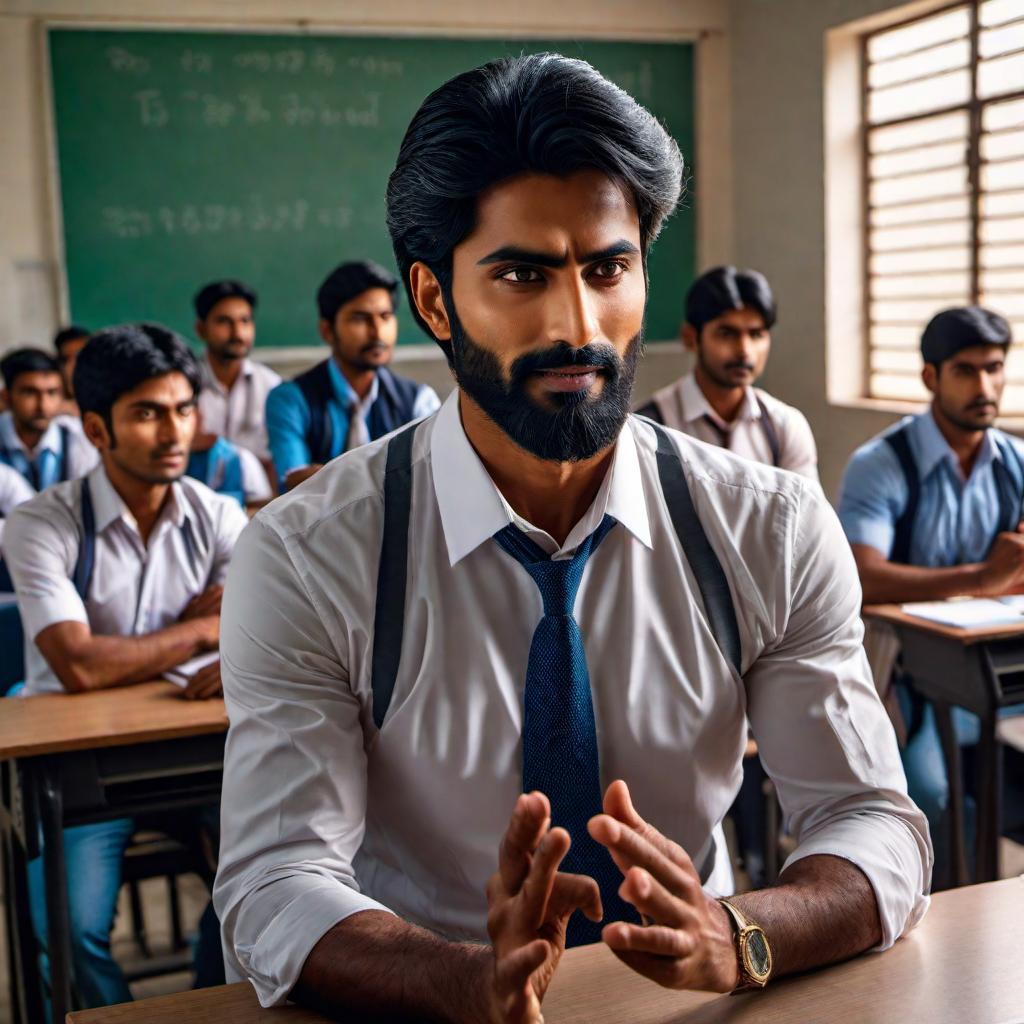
(93, 857)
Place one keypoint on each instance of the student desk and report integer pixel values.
(71, 759)
(982, 670)
(953, 968)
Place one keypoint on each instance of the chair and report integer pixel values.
(12, 644)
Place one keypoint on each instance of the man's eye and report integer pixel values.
(521, 275)
(610, 269)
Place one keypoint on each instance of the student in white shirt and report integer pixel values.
(403, 657)
(729, 317)
(118, 578)
(235, 387)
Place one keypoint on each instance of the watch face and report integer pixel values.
(758, 955)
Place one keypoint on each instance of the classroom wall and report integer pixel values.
(779, 213)
(29, 256)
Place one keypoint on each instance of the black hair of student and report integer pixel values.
(952, 330)
(68, 334)
(210, 294)
(347, 281)
(722, 289)
(542, 113)
(118, 359)
(26, 360)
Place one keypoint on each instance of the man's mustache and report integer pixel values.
(599, 355)
(740, 366)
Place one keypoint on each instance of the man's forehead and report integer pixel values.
(373, 300)
(168, 389)
(233, 305)
(745, 317)
(979, 355)
(38, 379)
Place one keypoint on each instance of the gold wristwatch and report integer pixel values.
(752, 949)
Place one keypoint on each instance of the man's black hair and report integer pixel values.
(68, 334)
(26, 360)
(725, 288)
(347, 281)
(210, 294)
(543, 113)
(118, 359)
(953, 330)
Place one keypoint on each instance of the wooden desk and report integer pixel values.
(70, 759)
(981, 670)
(957, 967)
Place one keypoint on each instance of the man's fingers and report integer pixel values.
(665, 972)
(654, 940)
(631, 849)
(540, 879)
(527, 826)
(204, 684)
(575, 892)
(654, 901)
(618, 804)
(512, 982)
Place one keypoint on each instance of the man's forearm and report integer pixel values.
(823, 910)
(382, 968)
(893, 583)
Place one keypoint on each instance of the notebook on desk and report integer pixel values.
(970, 613)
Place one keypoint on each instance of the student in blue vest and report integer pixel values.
(352, 397)
(227, 468)
(932, 508)
(35, 439)
(497, 668)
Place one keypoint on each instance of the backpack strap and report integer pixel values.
(899, 442)
(86, 561)
(315, 385)
(650, 411)
(770, 433)
(389, 611)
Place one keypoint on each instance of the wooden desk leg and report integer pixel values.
(990, 797)
(955, 779)
(22, 951)
(58, 939)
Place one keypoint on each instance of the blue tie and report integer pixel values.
(560, 756)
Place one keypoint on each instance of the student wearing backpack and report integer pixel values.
(932, 508)
(497, 668)
(352, 397)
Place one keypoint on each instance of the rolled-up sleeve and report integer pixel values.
(823, 734)
(287, 426)
(294, 797)
(872, 496)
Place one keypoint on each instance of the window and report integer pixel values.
(944, 174)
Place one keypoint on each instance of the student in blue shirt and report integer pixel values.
(932, 508)
(352, 397)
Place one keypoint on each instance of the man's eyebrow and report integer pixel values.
(514, 254)
(144, 403)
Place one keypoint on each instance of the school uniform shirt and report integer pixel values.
(42, 464)
(684, 407)
(255, 483)
(136, 588)
(238, 414)
(288, 418)
(14, 490)
(956, 519)
(325, 816)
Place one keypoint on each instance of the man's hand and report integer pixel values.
(206, 603)
(204, 684)
(1003, 571)
(687, 940)
(530, 903)
(298, 476)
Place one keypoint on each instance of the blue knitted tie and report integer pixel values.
(560, 755)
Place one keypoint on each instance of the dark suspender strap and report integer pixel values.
(82, 576)
(714, 587)
(389, 612)
(1009, 474)
(651, 411)
(65, 442)
(770, 433)
(899, 442)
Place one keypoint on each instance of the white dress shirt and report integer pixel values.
(324, 816)
(81, 455)
(136, 588)
(14, 489)
(683, 406)
(238, 414)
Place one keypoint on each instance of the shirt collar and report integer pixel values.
(696, 405)
(473, 509)
(10, 440)
(933, 448)
(108, 506)
(210, 378)
(343, 392)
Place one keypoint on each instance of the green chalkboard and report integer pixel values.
(190, 156)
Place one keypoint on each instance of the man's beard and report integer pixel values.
(960, 417)
(576, 426)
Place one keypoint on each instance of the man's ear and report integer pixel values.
(95, 429)
(690, 337)
(326, 329)
(930, 376)
(426, 293)
(200, 329)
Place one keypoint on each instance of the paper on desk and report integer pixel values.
(1014, 601)
(181, 675)
(974, 612)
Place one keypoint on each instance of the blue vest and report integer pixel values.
(396, 399)
(7, 456)
(220, 468)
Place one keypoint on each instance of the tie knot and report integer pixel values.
(557, 581)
